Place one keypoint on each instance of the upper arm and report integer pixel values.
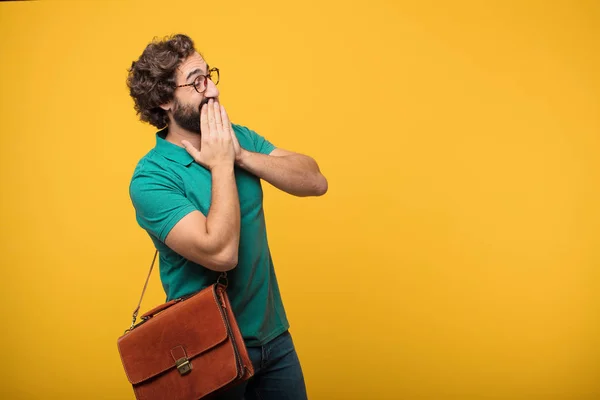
(159, 201)
(165, 212)
(190, 239)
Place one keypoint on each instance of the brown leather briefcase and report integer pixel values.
(187, 348)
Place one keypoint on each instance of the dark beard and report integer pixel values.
(188, 117)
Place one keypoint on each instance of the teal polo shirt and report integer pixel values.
(167, 184)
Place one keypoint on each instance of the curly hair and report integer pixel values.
(151, 79)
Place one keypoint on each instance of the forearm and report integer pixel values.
(223, 219)
(296, 174)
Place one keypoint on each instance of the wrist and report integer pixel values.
(242, 157)
(224, 168)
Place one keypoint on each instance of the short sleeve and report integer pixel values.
(261, 145)
(159, 202)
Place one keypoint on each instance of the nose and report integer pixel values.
(211, 89)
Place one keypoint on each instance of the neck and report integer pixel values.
(176, 134)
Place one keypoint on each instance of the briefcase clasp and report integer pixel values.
(184, 366)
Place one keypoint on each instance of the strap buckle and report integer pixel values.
(222, 279)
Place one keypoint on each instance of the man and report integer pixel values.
(198, 195)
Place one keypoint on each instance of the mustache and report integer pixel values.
(203, 102)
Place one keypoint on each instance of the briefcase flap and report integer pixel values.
(186, 329)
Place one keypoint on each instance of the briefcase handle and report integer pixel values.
(160, 308)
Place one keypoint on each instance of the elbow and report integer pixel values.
(217, 252)
(224, 261)
(321, 186)
(220, 260)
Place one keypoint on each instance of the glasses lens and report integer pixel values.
(199, 84)
(214, 76)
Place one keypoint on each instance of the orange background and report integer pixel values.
(455, 255)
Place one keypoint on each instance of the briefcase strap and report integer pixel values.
(137, 309)
(222, 276)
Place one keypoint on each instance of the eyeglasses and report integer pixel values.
(200, 83)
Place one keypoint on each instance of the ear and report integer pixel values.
(167, 106)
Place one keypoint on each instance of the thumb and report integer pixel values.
(190, 149)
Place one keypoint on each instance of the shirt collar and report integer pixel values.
(172, 151)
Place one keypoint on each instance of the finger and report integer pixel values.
(234, 140)
(190, 149)
(204, 129)
(225, 119)
(218, 122)
(212, 127)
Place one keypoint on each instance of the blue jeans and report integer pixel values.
(277, 374)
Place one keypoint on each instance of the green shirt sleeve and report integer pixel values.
(258, 142)
(159, 201)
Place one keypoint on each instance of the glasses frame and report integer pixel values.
(206, 78)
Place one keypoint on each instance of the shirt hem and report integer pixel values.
(257, 343)
(175, 218)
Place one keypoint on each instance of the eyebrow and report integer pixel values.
(196, 71)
